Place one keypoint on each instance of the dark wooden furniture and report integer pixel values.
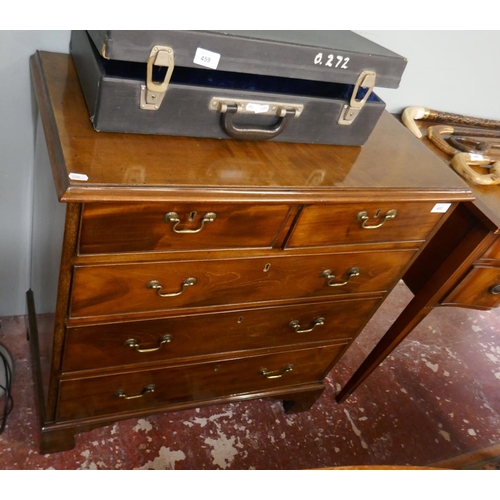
(459, 267)
(170, 273)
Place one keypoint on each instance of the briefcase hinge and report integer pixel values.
(153, 92)
(366, 80)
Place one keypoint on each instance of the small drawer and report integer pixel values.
(125, 392)
(103, 290)
(323, 225)
(138, 342)
(494, 251)
(479, 289)
(155, 227)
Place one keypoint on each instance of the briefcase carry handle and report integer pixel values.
(253, 133)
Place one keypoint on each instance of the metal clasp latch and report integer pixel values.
(366, 80)
(153, 92)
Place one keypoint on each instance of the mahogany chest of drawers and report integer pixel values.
(170, 273)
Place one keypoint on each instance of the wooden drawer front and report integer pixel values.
(168, 339)
(339, 224)
(494, 251)
(145, 227)
(480, 288)
(123, 288)
(88, 397)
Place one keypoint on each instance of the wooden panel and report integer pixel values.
(141, 227)
(479, 289)
(117, 289)
(98, 395)
(449, 236)
(494, 251)
(337, 224)
(106, 346)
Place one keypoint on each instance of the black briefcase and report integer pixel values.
(287, 86)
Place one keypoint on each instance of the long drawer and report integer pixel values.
(324, 225)
(161, 286)
(137, 342)
(148, 227)
(113, 394)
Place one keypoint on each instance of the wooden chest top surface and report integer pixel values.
(129, 167)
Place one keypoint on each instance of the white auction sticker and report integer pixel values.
(476, 157)
(206, 58)
(257, 108)
(78, 177)
(440, 208)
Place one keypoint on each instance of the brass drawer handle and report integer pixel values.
(155, 285)
(317, 322)
(149, 388)
(174, 217)
(495, 289)
(270, 375)
(354, 271)
(134, 344)
(364, 218)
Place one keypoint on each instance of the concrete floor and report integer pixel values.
(434, 401)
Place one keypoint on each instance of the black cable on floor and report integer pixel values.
(9, 402)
